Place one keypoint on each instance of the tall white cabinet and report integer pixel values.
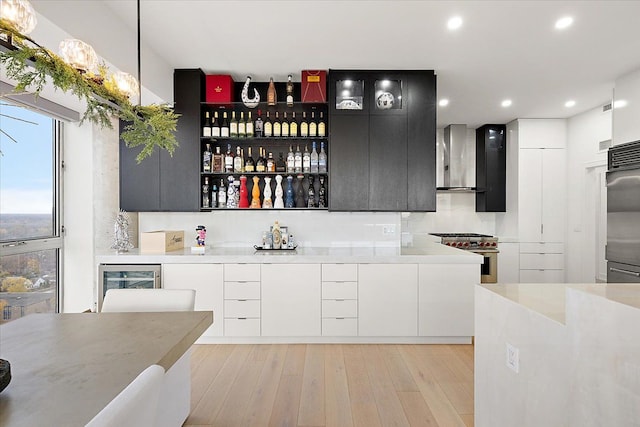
(542, 199)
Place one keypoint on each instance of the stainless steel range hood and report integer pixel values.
(455, 160)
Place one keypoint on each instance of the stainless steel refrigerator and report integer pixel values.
(623, 214)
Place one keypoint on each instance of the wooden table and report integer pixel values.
(67, 367)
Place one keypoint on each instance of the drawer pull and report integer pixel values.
(339, 299)
(242, 318)
(619, 270)
(242, 300)
(339, 318)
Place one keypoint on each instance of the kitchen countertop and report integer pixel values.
(429, 253)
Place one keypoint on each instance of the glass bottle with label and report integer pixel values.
(322, 127)
(281, 165)
(322, 160)
(232, 201)
(206, 159)
(214, 196)
(314, 158)
(267, 203)
(285, 126)
(259, 125)
(268, 127)
(238, 161)
(233, 126)
(279, 202)
(271, 163)
(311, 194)
(249, 165)
(298, 160)
(293, 126)
(277, 126)
(228, 160)
(218, 161)
(306, 160)
(215, 126)
(271, 93)
(206, 127)
(249, 126)
(313, 126)
(289, 194)
(224, 126)
(261, 164)
(205, 193)
(255, 194)
(289, 91)
(322, 193)
(222, 195)
(291, 161)
(300, 203)
(304, 126)
(242, 126)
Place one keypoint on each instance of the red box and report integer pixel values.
(314, 86)
(219, 88)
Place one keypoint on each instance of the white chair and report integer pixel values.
(175, 399)
(136, 405)
(144, 300)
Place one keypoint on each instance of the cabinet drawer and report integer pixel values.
(242, 327)
(339, 272)
(241, 308)
(340, 308)
(541, 261)
(541, 276)
(541, 248)
(340, 290)
(242, 290)
(340, 327)
(242, 272)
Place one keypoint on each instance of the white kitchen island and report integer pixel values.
(356, 294)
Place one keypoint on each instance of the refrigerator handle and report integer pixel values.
(619, 270)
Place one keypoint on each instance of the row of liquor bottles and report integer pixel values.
(266, 192)
(272, 126)
(295, 162)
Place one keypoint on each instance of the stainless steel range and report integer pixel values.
(481, 244)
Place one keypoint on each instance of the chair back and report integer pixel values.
(145, 300)
(136, 405)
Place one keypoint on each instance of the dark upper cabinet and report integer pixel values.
(491, 162)
(382, 132)
(163, 182)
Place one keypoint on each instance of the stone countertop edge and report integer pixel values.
(428, 254)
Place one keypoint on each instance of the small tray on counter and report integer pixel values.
(260, 248)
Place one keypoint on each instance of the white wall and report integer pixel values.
(584, 133)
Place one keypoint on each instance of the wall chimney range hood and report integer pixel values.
(454, 163)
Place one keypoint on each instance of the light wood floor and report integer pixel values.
(332, 385)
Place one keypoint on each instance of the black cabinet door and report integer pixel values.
(421, 141)
(388, 163)
(139, 183)
(491, 164)
(349, 163)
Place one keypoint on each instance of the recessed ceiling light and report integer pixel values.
(443, 102)
(564, 22)
(454, 23)
(570, 103)
(506, 103)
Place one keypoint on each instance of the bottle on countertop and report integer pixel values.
(206, 159)
(224, 126)
(271, 93)
(277, 235)
(258, 129)
(215, 126)
(206, 127)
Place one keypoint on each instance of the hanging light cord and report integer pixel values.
(139, 73)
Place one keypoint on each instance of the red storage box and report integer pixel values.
(219, 88)
(314, 86)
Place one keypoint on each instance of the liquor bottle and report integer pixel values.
(289, 195)
(268, 127)
(306, 160)
(261, 163)
(215, 126)
(298, 160)
(279, 203)
(291, 161)
(228, 160)
(300, 193)
(259, 126)
(271, 163)
(267, 203)
(218, 161)
(313, 126)
(314, 159)
(238, 161)
(205, 193)
(322, 126)
(222, 195)
(304, 126)
(233, 126)
(281, 165)
(224, 126)
(311, 194)
(322, 160)
(206, 159)
(277, 236)
(249, 165)
(271, 93)
(206, 127)
(289, 92)
(285, 126)
(232, 201)
(322, 193)
(242, 126)
(293, 126)
(277, 127)
(244, 193)
(255, 194)
(249, 126)
(214, 196)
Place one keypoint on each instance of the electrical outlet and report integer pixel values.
(389, 229)
(513, 358)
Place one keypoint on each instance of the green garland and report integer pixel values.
(150, 126)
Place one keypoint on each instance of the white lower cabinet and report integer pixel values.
(242, 300)
(388, 300)
(446, 299)
(542, 262)
(291, 298)
(339, 300)
(207, 280)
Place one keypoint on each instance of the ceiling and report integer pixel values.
(504, 49)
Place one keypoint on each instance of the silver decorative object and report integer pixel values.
(253, 102)
(121, 241)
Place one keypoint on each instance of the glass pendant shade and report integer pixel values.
(20, 14)
(126, 83)
(78, 54)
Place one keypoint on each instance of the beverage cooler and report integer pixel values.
(126, 277)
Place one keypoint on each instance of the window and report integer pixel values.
(30, 213)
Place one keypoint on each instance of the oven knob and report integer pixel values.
(481, 244)
(466, 244)
(448, 244)
(494, 244)
(459, 244)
